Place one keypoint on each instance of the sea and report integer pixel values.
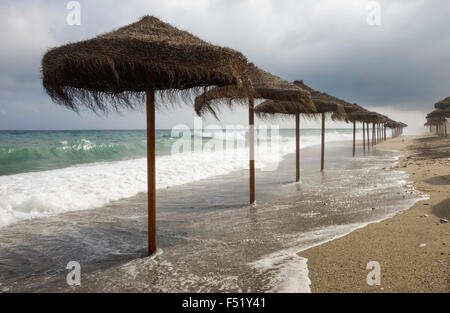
(80, 195)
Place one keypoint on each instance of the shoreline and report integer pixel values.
(411, 246)
(294, 215)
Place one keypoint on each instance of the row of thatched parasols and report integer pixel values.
(437, 119)
(134, 63)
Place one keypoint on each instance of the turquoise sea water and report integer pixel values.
(27, 151)
(48, 172)
(24, 151)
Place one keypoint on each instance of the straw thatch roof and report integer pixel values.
(392, 124)
(354, 113)
(443, 104)
(439, 113)
(383, 118)
(271, 108)
(265, 86)
(149, 54)
(324, 102)
(372, 117)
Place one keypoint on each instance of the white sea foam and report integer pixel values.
(290, 272)
(88, 186)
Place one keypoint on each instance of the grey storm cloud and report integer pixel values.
(403, 64)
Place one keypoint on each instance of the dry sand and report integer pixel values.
(397, 243)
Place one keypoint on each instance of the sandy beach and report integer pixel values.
(412, 248)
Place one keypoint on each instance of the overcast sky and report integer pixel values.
(401, 67)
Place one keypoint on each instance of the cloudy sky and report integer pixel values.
(400, 68)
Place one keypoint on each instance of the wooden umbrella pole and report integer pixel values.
(364, 136)
(322, 160)
(381, 133)
(151, 171)
(373, 133)
(297, 147)
(445, 127)
(376, 133)
(251, 132)
(368, 136)
(354, 137)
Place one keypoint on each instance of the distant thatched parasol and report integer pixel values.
(272, 108)
(325, 104)
(442, 113)
(265, 86)
(354, 114)
(443, 104)
(396, 127)
(121, 67)
(438, 117)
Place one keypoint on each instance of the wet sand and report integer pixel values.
(413, 247)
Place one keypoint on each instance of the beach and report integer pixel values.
(210, 239)
(412, 247)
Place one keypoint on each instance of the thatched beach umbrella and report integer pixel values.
(381, 127)
(443, 104)
(265, 86)
(271, 108)
(434, 122)
(376, 119)
(324, 104)
(353, 114)
(402, 126)
(369, 118)
(365, 117)
(396, 127)
(361, 115)
(389, 124)
(123, 67)
(439, 116)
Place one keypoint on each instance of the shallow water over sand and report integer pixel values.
(210, 240)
